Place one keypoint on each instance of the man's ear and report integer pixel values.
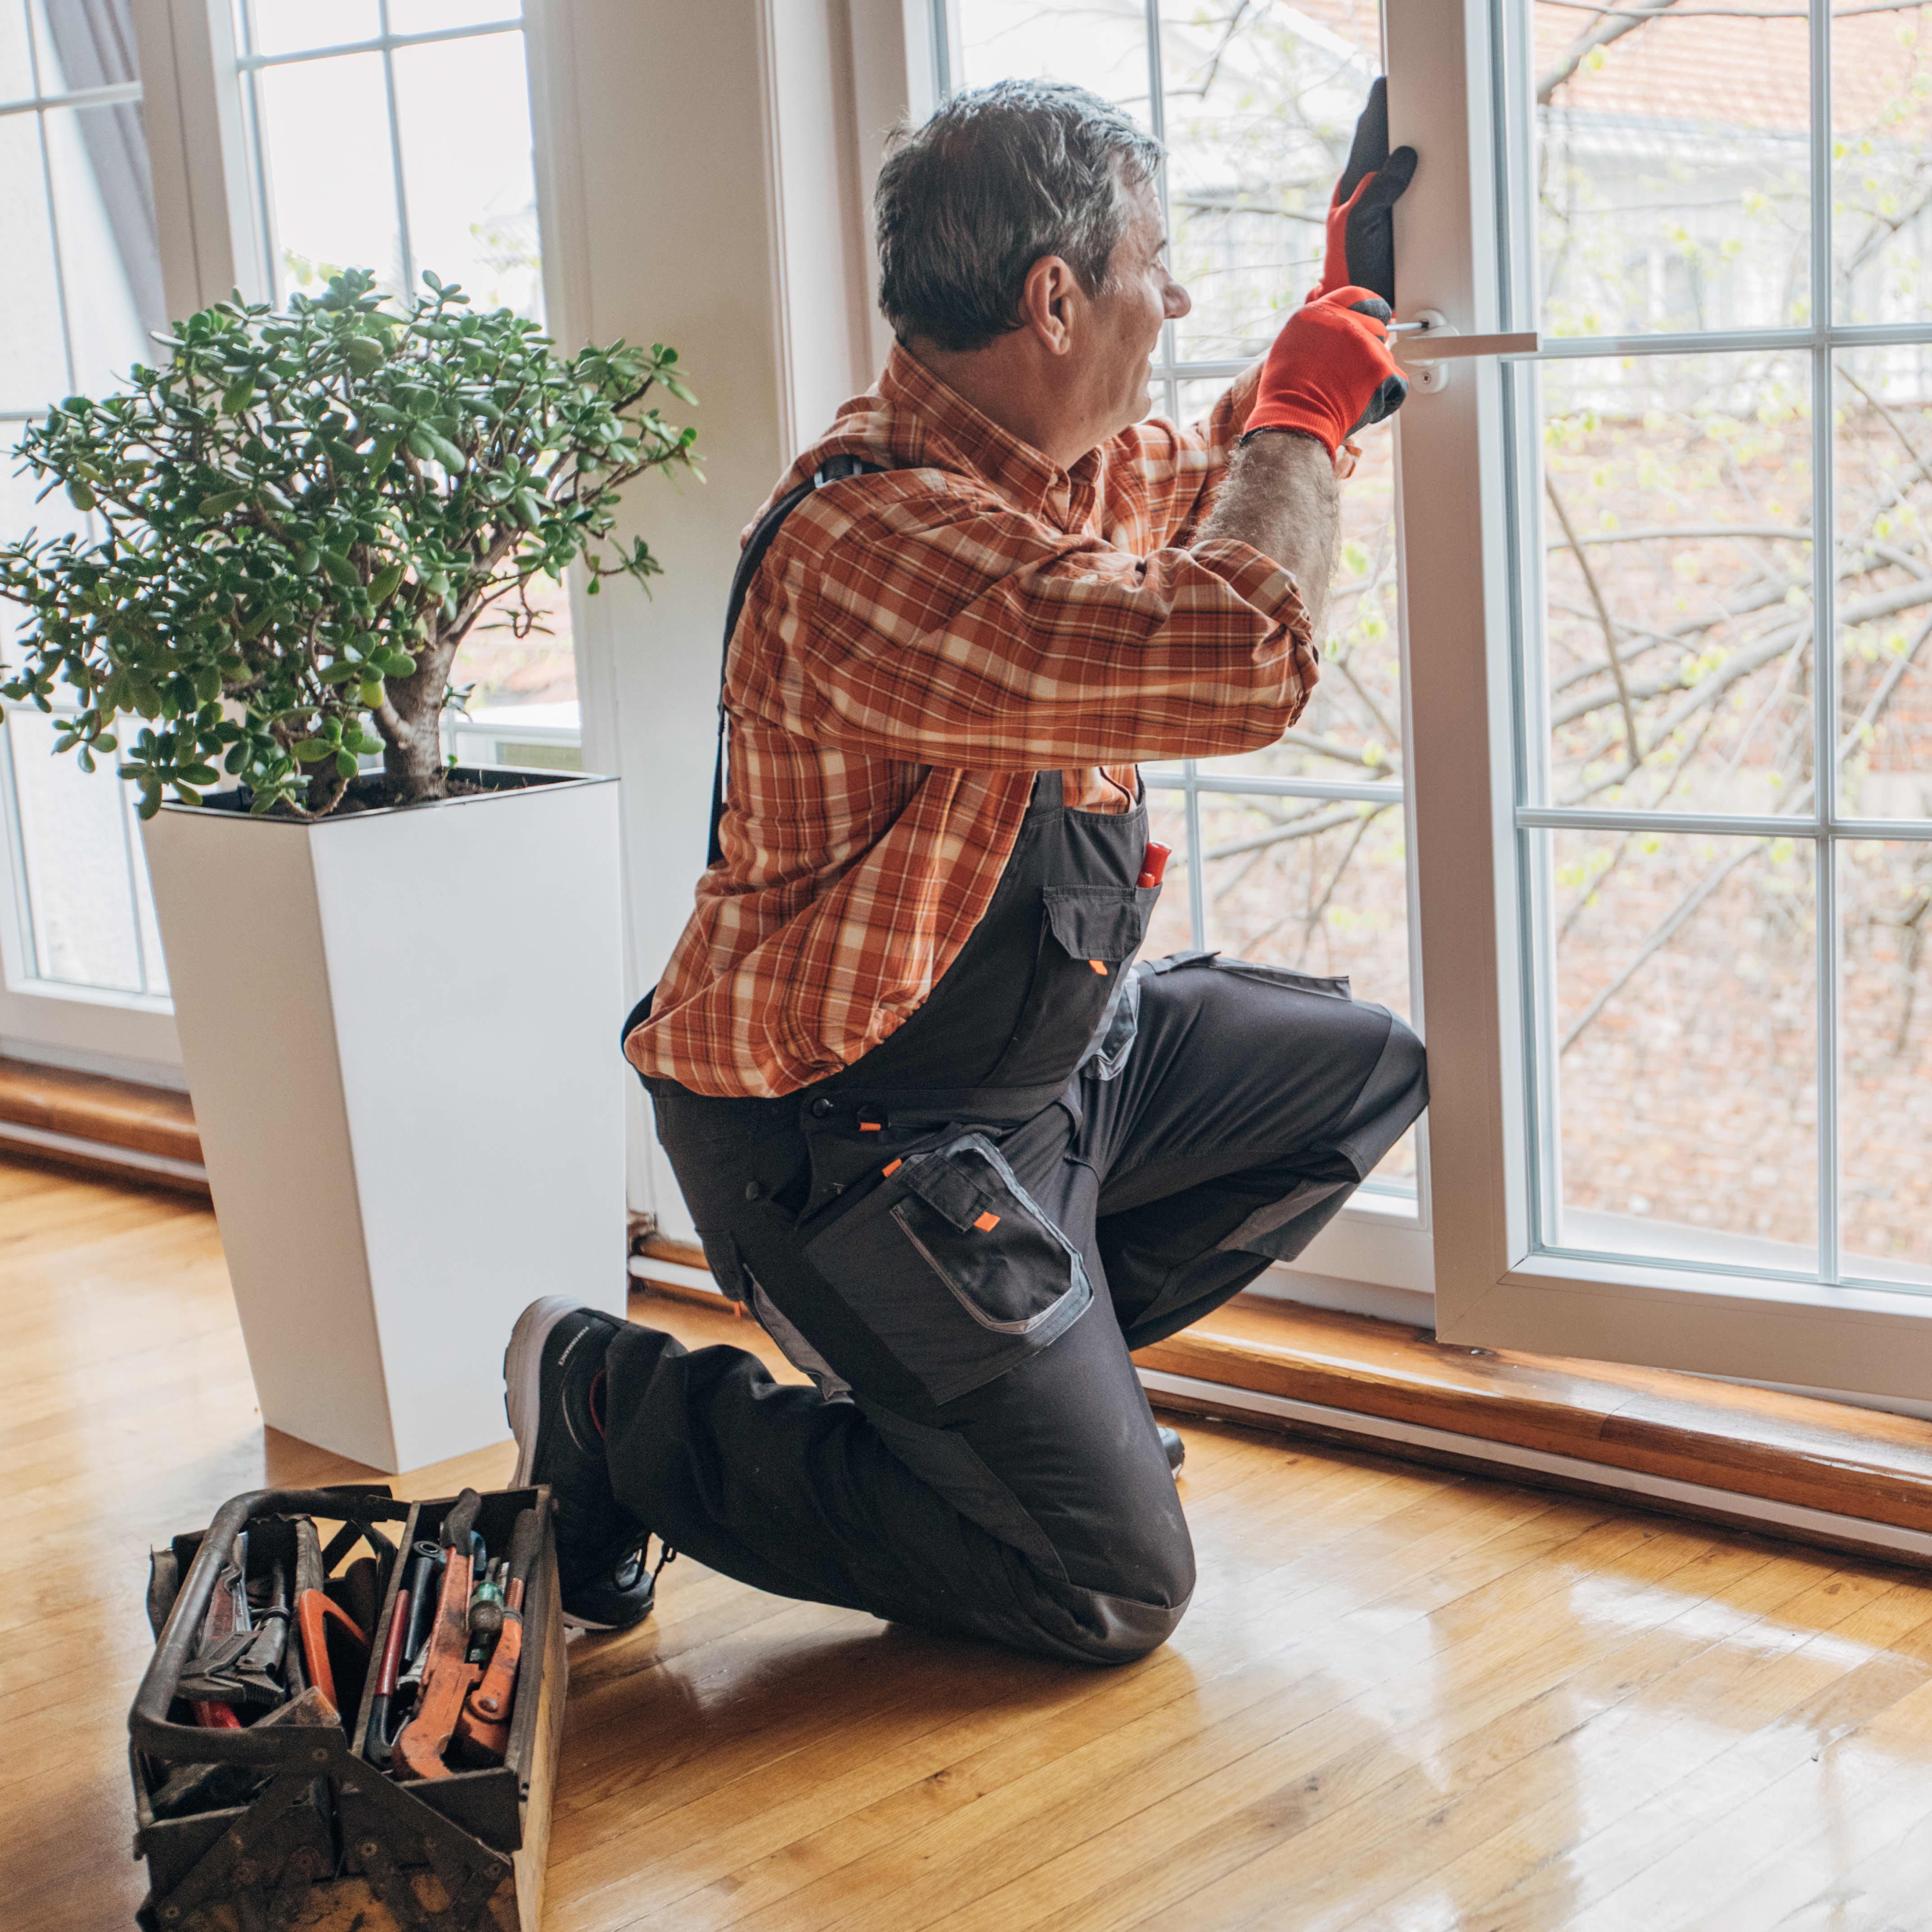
(1050, 300)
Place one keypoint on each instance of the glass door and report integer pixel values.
(1723, 474)
(1297, 855)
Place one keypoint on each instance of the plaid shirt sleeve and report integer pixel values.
(1184, 468)
(921, 621)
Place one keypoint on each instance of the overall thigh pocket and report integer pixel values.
(954, 1267)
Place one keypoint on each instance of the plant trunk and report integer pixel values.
(415, 770)
(412, 759)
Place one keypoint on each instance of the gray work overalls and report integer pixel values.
(1059, 1157)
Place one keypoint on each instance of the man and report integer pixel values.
(957, 1152)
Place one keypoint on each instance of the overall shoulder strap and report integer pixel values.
(835, 469)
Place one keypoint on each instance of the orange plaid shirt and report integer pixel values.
(915, 646)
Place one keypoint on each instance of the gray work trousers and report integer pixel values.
(977, 1454)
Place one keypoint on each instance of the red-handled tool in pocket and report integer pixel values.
(1154, 862)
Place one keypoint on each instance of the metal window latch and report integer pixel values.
(1427, 346)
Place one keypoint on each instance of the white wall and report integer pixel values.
(700, 180)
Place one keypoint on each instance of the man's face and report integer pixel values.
(1141, 295)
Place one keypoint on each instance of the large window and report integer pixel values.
(389, 134)
(1297, 855)
(1723, 468)
(82, 291)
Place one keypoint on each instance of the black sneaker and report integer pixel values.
(1177, 1450)
(553, 1392)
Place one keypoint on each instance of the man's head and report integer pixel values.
(1020, 257)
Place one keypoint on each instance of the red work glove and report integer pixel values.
(1330, 372)
(1361, 223)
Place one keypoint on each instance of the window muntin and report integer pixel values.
(1721, 945)
(82, 292)
(1298, 855)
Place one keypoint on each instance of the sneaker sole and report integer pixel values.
(523, 1376)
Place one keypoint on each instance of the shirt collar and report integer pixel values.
(1027, 478)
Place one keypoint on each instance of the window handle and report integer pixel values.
(1428, 344)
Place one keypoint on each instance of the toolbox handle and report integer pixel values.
(148, 1723)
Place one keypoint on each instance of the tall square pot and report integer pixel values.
(399, 1028)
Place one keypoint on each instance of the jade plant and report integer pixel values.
(295, 523)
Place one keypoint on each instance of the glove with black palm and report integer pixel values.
(1361, 218)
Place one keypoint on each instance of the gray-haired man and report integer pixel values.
(959, 1153)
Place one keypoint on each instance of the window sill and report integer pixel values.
(1795, 1466)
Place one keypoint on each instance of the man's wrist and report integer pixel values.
(1278, 429)
(1343, 458)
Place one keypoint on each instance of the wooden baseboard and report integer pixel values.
(1795, 1450)
(1648, 1434)
(100, 1125)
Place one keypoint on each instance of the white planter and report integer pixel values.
(400, 1032)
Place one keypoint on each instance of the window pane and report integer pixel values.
(1352, 728)
(1685, 1053)
(33, 351)
(293, 26)
(1676, 519)
(1882, 173)
(1884, 1032)
(472, 203)
(1317, 887)
(1311, 884)
(1672, 174)
(110, 258)
(332, 187)
(536, 668)
(1261, 103)
(16, 64)
(77, 881)
(432, 16)
(1882, 447)
(1100, 44)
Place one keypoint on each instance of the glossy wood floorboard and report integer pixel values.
(1402, 1699)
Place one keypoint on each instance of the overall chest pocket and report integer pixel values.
(1088, 936)
(954, 1267)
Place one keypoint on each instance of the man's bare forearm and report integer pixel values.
(1281, 497)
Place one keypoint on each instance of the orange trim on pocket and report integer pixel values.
(987, 1222)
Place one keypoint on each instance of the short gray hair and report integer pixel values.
(999, 177)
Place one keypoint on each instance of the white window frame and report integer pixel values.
(1493, 1288)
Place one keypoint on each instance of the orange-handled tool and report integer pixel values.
(490, 1700)
(315, 1611)
(448, 1673)
(1154, 862)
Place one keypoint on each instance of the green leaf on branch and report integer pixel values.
(262, 565)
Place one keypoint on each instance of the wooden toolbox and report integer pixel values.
(318, 1839)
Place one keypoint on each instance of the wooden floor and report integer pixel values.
(1402, 1699)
